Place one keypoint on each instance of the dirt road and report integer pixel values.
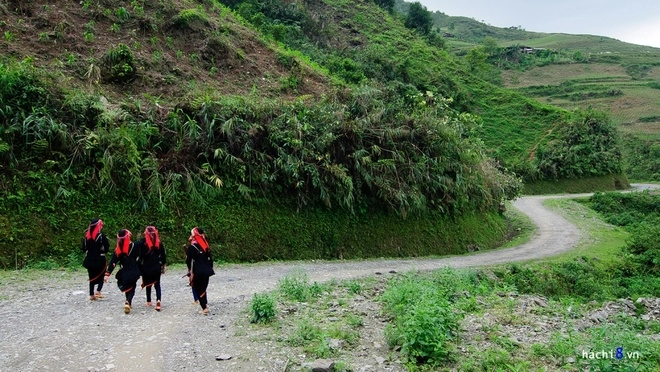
(48, 323)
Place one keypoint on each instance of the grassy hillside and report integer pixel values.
(623, 83)
(381, 48)
(185, 113)
(574, 71)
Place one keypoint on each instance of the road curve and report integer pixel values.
(47, 322)
(554, 235)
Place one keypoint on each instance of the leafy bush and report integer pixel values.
(424, 332)
(644, 246)
(424, 321)
(119, 65)
(588, 146)
(263, 308)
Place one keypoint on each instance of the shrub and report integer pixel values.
(263, 308)
(295, 287)
(419, 18)
(187, 18)
(644, 246)
(578, 278)
(588, 146)
(424, 322)
(626, 209)
(425, 330)
(119, 65)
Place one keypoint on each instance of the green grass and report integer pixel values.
(577, 186)
(597, 45)
(296, 287)
(520, 227)
(600, 240)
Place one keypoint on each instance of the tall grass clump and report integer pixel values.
(119, 65)
(188, 18)
(296, 287)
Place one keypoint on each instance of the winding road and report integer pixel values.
(48, 323)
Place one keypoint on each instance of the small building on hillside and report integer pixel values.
(529, 50)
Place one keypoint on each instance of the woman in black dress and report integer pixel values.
(153, 263)
(95, 245)
(200, 265)
(127, 256)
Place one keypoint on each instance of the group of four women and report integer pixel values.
(144, 258)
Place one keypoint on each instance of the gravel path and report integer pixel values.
(48, 323)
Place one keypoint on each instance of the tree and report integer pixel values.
(489, 45)
(419, 18)
(386, 4)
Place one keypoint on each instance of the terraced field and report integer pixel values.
(633, 103)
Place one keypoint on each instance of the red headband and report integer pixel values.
(200, 239)
(94, 230)
(152, 237)
(123, 242)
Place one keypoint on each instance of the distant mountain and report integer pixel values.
(572, 71)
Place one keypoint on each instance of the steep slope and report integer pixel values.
(178, 49)
(290, 129)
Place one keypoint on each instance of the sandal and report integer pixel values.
(205, 311)
(99, 295)
(148, 303)
(92, 298)
(127, 308)
(158, 305)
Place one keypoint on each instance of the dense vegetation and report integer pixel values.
(638, 213)
(219, 112)
(642, 157)
(512, 127)
(367, 162)
(427, 309)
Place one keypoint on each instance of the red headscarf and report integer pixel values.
(152, 237)
(123, 242)
(94, 229)
(197, 237)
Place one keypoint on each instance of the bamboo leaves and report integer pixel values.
(369, 147)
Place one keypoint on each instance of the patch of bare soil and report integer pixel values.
(173, 59)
